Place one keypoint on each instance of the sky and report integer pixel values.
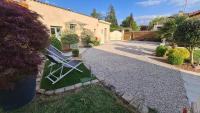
(143, 10)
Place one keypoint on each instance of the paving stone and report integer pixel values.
(127, 97)
(61, 90)
(42, 91)
(78, 85)
(94, 81)
(49, 92)
(69, 88)
(87, 83)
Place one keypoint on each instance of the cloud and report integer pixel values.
(144, 20)
(149, 3)
(183, 2)
(178, 3)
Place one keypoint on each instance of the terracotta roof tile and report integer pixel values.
(194, 13)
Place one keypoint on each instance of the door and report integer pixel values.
(105, 35)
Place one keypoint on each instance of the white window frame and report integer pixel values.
(72, 27)
(57, 30)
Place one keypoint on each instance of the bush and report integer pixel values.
(89, 39)
(55, 42)
(175, 58)
(87, 36)
(22, 37)
(75, 52)
(188, 35)
(69, 38)
(182, 51)
(161, 50)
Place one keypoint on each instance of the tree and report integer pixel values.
(130, 23)
(155, 21)
(188, 35)
(22, 37)
(170, 27)
(95, 14)
(111, 17)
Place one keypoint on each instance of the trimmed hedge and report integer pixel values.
(55, 42)
(175, 58)
(161, 51)
(182, 51)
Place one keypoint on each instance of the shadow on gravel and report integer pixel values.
(161, 87)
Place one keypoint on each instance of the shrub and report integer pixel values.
(182, 51)
(161, 50)
(22, 37)
(75, 52)
(69, 38)
(188, 35)
(55, 42)
(87, 37)
(175, 58)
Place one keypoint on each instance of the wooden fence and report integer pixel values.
(140, 36)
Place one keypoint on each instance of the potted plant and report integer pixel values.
(69, 39)
(22, 37)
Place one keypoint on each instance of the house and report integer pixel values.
(59, 19)
(195, 14)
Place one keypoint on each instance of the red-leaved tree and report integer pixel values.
(22, 37)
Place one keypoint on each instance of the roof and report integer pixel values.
(102, 21)
(62, 8)
(76, 22)
(195, 13)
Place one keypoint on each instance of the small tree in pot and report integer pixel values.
(22, 37)
(188, 35)
(69, 39)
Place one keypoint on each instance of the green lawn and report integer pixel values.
(197, 55)
(90, 99)
(71, 79)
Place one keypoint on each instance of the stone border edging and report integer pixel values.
(65, 89)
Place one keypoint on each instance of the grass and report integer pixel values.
(90, 99)
(197, 55)
(71, 79)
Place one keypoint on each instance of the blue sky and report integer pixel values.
(143, 10)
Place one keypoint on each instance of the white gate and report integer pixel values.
(116, 35)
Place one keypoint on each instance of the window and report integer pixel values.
(72, 27)
(56, 30)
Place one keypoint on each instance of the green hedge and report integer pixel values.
(75, 52)
(182, 51)
(55, 42)
(175, 58)
(161, 50)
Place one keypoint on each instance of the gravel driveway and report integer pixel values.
(126, 66)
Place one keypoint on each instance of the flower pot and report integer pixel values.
(22, 93)
(66, 47)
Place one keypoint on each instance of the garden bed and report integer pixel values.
(185, 66)
(72, 78)
(90, 99)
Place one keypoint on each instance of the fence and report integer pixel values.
(144, 35)
(140, 36)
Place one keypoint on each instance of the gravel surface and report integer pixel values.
(125, 66)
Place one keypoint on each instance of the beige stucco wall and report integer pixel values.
(54, 16)
(103, 31)
(196, 16)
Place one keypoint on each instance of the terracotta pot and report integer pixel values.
(66, 47)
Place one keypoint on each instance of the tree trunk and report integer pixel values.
(174, 45)
(192, 56)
